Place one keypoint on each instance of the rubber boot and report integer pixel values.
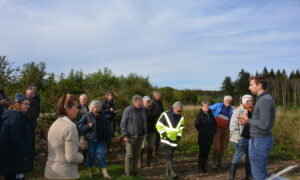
(220, 160)
(105, 174)
(248, 171)
(155, 151)
(204, 165)
(140, 163)
(90, 173)
(200, 165)
(149, 156)
(232, 171)
(167, 173)
(173, 174)
(215, 160)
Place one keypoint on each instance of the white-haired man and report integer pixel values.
(222, 114)
(240, 135)
(158, 109)
(148, 143)
(82, 106)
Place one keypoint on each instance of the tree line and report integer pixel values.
(52, 86)
(285, 88)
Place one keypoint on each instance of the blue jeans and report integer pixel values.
(259, 149)
(97, 148)
(240, 149)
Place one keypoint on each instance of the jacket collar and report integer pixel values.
(65, 118)
(262, 94)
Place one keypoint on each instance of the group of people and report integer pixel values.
(18, 122)
(144, 127)
(249, 127)
(94, 121)
(140, 124)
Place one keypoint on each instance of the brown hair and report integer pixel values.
(16, 106)
(65, 101)
(108, 93)
(260, 80)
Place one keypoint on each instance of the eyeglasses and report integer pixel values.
(27, 104)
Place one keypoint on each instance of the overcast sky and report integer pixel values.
(179, 43)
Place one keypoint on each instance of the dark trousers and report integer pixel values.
(157, 139)
(169, 152)
(110, 130)
(203, 155)
(13, 177)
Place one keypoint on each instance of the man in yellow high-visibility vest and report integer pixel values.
(170, 127)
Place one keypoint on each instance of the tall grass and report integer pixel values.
(190, 137)
(286, 132)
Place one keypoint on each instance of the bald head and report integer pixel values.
(83, 99)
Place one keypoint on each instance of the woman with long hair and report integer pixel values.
(109, 111)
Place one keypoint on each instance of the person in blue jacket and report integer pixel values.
(222, 113)
(94, 126)
(16, 140)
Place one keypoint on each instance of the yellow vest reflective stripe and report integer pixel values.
(169, 143)
(172, 132)
(170, 124)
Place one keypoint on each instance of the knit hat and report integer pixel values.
(19, 97)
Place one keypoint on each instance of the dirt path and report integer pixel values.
(186, 166)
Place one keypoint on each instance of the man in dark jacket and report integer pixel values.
(151, 130)
(82, 107)
(33, 112)
(261, 124)
(35, 96)
(158, 109)
(133, 128)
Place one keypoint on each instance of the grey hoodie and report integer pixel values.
(263, 117)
